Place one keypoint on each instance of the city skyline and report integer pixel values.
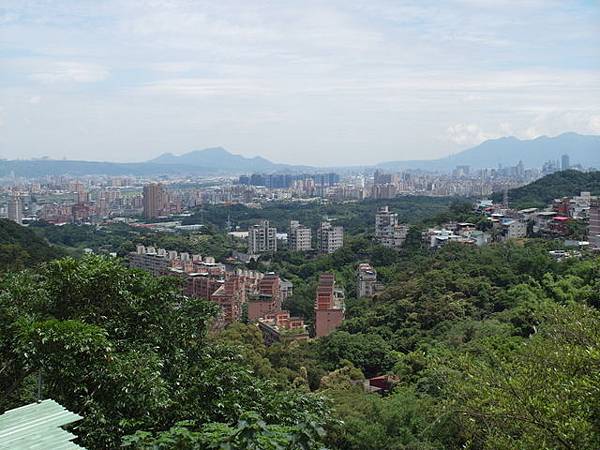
(357, 81)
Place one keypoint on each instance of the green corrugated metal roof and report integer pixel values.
(37, 426)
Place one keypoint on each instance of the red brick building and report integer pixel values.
(268, 298)
(329, 305)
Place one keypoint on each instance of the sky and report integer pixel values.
(334, 82)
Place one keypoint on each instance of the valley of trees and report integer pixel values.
(492, 348)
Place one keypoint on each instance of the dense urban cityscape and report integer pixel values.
(338, 225)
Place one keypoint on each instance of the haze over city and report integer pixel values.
(305, 83)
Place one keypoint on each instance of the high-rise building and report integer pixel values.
(594, 223)
(299, 237)
(388, 231)
(80, 194)
(564, 162)
(381, 178)
(385, 221)
(329, 305)
(154, 201)
(15, 209)
(330, 238)
(366, 284)
(262, 238)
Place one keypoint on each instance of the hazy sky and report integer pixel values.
(328, 82)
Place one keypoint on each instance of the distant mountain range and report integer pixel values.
(507, 151)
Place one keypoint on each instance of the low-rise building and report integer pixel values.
(281, 327)
(513, 229)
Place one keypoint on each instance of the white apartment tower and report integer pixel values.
(329, 237)
(388, 231)
(15, 209)
(299, 237)
(262, 238)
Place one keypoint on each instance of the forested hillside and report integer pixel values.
(557, 185)
(20, 247)
(355, 217)
(492, 348)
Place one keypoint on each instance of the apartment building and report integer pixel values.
(299, 237)
(329, 305)
(262, 238)
(15, 209)
(366, 283)
(230, 296)
(594, 223)
(150, 259)
(329, 237)
(154, 200)
(267, 299)
(388, 231)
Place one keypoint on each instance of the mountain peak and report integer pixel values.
(217, 158)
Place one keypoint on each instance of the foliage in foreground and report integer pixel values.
(128, 352)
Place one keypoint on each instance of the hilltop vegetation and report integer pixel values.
(355, 217)
(560, 184)
(20, 247)
(494, 348)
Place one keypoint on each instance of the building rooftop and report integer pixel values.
(37, 425)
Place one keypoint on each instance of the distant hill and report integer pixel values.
(218, 158)
(560, 184)
(20, 247)
(508, 151)
(44, 167)
(212, 161)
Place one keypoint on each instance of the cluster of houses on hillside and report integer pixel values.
(503, 223)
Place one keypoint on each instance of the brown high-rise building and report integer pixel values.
(154, 201)
(268, 299)
(329, 305)
(594, 225)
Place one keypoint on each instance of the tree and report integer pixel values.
(368, 352)
(543, 395)
(130, 353)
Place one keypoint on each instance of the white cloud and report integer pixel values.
(595, 124)
(205, 87)
(71, 72)
(466, 134)
(312, 82)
